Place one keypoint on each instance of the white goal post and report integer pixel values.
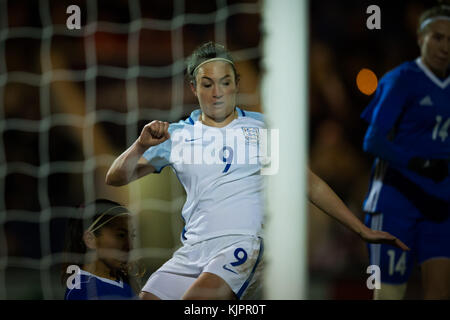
(285, 103)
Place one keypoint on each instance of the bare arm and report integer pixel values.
(323, 197)
(130, 165)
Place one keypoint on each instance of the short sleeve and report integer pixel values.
(254, 115)
(159, 156)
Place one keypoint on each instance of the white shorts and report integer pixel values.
(236, 259)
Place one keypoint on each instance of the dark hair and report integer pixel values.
(205, 52)
(75, 248)
(443, 9)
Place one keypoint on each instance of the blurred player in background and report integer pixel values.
(99, 249)
(409, 192)
(221, 257)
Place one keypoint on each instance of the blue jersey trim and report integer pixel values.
(93, 287)
(183, 233)
(246, 283)
(160, 169)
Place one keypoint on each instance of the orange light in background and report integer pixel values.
(367, 81)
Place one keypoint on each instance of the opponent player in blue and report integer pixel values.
(96, 266)
(215, 156)
(409, 192)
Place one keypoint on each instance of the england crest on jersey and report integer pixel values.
(251, 134)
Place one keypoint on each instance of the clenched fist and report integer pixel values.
(154, 133)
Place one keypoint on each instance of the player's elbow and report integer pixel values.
(372, 141)
(368, 145)
(109, 180)
(115, 179)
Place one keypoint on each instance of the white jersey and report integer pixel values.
(220, 171)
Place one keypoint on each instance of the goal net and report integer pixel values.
(74, 99)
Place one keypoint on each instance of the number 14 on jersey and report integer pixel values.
(441, 129)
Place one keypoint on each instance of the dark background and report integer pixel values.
(46, 141)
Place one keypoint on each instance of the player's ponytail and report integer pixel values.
(440, 10)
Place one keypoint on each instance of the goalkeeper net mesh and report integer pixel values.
(72, 100)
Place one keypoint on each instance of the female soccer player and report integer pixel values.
(97, 266)
(213, 155)
(409, 192)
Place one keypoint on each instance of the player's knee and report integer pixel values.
(437, 295)
(148, 296)
(390, 292)
(209, 286)
(436, 279)
(219, 293)
(437, 291)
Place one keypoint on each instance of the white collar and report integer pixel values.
(440, 83)
(116, 283)
(195, 115)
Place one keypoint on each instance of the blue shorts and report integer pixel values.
(426, 238)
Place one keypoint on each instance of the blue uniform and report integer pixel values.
(93, 287)
(408, 117)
